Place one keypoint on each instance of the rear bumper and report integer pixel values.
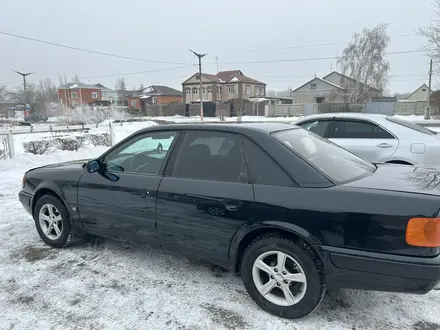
(26, 200)
(345, 268)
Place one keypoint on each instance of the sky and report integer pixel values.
(268, 41)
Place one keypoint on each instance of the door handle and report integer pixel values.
(231, 206)
(384, 145)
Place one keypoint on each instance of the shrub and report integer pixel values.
(40, 147)
(99, 139)
(70, 144)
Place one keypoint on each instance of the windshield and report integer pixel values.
(336, 163)
(411, 125)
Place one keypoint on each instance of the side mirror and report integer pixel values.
(93, 166)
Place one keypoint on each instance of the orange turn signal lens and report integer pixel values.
(423, 232)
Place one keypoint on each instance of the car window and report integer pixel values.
(356, 129)
(210, 155)
(318, 127)
(144, 154)
(410, 125)
(333, 161)
(263, 169)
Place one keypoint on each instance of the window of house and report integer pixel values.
(262, 91)
(248, 90)
(143, 154)
(424, 89)
(313, 87)
(213, 156)
(231, 89)
(263, 169)
(94, 95)
(203, 90)
(188, 91)
(356, 129)
(219, 90)
(209, 89)
(154, 100)
(319, 99)
(195, 90)
(133, 103)
(74, 95)
(257, 90)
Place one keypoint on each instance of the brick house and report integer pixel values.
(223, 86)
(154, 94)
(75, 94)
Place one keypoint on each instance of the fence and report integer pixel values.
(381, 107)
(6, 145)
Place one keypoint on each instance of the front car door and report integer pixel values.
(206, 197)
(364, 138)
(120, 200)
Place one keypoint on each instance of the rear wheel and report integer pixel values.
(52, 221)
(282, 276)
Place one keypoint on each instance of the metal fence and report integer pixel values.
(6, 145)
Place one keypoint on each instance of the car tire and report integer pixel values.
(297, 286)
(53, 222)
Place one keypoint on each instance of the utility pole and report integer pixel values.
(216, 61)
(200, 79)
(24, 75)
(428, 108)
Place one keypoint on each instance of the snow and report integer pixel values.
(106, 284)
(235, 79)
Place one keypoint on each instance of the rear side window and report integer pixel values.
(318, 127)
(213, 156)
(410, 125)
(263, 169)
(356, 129)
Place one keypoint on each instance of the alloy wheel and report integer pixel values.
(279, 278)
(50, 221)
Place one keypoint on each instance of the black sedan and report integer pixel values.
(293, 213)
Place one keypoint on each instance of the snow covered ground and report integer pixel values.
(108, 285)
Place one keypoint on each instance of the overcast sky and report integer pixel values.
(235, 31)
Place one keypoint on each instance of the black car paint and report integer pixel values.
(358, 229)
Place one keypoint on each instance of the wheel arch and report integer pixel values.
(244, 238)
(47, 190)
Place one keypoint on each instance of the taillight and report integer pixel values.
(23, 182)
(423, 232)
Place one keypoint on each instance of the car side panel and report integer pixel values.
(341, 217)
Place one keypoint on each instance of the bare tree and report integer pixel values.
(121, 87)
(20, 96)
(76, 79)
(3, 92)
(364, 61)
(63, 80)
(432, 34)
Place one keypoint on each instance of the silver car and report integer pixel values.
(378, 138)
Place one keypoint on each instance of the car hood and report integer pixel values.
(404, 178)
(75, 164)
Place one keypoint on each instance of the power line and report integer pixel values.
(308, 46)
(134, 73)
(86, 50)
(317, 58)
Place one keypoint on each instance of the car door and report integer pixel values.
(120, 199)
(320, 126)
(363, 138)
(205, 195)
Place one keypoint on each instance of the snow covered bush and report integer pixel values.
(69, 144)
(39, 147)
(99, 139)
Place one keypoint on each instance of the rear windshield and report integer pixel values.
(336, 163)
(410, 125)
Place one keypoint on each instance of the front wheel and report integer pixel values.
(282, 276)
(52, 221)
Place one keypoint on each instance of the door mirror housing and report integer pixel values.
(93, 166)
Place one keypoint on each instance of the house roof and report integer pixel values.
(228, 76)
(160, 90)
(322, 80)
(78, 85)
(349, 78)
(423, 85)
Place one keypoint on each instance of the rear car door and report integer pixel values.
(205, 195)
(120, 200)
(320, 127)
(364, 138)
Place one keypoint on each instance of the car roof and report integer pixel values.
(229, 127)
(375, 116)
